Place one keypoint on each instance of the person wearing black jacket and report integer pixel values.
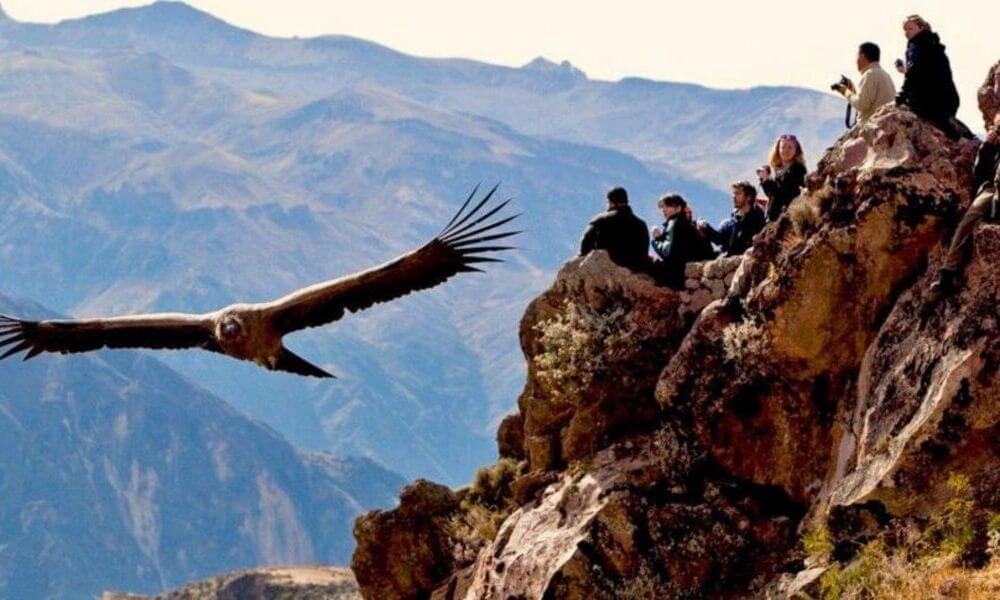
(789, 175)
(676, 242)
(986, 206)
(928, 87)
(619, 232)
(736, 233)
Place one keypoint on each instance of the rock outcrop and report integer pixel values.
(587, 340)
(673, 444)
(419, 529)
(291, 583)
(763, 392)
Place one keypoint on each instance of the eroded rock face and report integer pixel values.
(928, 402)
(641, 519)
(594, 344)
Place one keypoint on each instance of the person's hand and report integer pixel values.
(657, 231)
(840, 89)
(702, 224)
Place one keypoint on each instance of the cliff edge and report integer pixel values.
(838, 425)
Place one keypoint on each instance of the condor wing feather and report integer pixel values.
(462, 244)
(157, 331)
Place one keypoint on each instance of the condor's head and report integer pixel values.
(233, 333)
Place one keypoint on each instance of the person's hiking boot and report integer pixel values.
(944, 286)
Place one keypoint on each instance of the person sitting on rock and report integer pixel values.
(928, 86)
(736, 233)
(875, 89)
(986, 206)
(618, 232)
(676, 242)
(785, 183)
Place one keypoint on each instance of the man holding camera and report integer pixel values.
(986, 206)
(875, 88)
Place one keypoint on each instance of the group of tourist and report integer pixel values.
(681, 239)
(928, 91)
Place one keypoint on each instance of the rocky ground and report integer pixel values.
(834, 428)
(286, 583)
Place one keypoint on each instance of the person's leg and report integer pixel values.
(961, 241)
(938, 119)
(946, 125)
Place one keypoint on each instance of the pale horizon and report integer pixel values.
(775, 43)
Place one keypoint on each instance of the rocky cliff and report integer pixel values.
(835, 431)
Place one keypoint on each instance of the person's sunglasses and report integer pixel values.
(789, 137)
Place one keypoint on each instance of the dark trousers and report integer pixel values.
(984, 207)
(669, 273)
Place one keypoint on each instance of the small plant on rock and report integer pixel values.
(817, 543)
(489, 500)
(583, 341)
(746, 342)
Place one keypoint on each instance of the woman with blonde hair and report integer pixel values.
(784, 176)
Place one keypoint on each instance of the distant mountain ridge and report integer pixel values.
(157, 158)
(716, 135)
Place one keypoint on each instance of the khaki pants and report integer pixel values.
(984, 207)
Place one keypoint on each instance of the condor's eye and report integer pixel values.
(230, 328)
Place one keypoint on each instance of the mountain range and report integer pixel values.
(158, 158)
(116, 472)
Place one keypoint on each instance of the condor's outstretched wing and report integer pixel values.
(461, 245)
(157, 331)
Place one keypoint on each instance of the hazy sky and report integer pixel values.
(715, 43)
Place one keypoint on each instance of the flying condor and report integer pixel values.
(254, 332)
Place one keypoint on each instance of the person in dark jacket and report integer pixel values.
(784, 176)
(676, 242)
(619, 232)
(986, 206)
(736, 233)
(928, 87)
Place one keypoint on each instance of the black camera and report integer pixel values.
(843, 83)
